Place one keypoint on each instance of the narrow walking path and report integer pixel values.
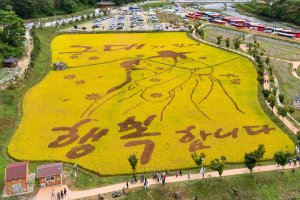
(294, 69)
(293, 128)
(46, 193)
(266, 82)
(25, 61)
(294, 63)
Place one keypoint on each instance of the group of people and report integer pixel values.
(161, 177)
(294, 161)
(61, 194)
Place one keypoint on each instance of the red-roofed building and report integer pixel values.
(50, 174)
(16, 178)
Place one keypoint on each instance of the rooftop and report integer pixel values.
(10, 60)
(16, 171)
(297, 98)
(49, 170)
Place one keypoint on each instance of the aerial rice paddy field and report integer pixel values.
(161, 96)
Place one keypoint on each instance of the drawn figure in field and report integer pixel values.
(159, 78)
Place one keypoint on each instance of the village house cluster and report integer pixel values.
(19, 181)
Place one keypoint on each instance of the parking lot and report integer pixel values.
(127, 19)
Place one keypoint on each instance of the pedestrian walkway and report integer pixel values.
(294, 63)
(294, 69)
(46, 193)
(25, 61)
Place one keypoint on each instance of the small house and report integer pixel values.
(10, 62)
(49, 174)
(296, 102)
(59, 66)
(16, 178)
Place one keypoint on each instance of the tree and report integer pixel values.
(250, 160)
(267, 60)
(270, 69)
(260, 79)
(190, 27)
(281, 98)
(236, 43)
(282, 111)
(271, 100)
(250, 45)
(201, 33)
(291, 109)
(6, 5)
(227, 42)
(219, 39)
(12, 35)
(259, 152)
(298, 135)
(133, 162)
(218, 165)
(69, 5)
(199, 159)
(25, 8)
(281, 158)
(197, 25)
(266, 93)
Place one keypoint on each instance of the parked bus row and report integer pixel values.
(218, 18)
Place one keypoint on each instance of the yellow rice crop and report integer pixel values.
(170, 80)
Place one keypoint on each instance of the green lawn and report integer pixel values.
(264, 185)
(289, 85)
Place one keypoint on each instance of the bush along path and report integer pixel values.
(46, 193)
(293, 128)
(294, 63)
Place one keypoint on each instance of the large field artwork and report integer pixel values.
(161, 96)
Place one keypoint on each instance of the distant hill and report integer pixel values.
(287, 10)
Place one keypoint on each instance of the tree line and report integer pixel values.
(40, 8)
(37, 8)
(287, 10)
(12, 35)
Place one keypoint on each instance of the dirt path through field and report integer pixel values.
(25, 61)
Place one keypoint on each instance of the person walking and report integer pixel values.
(189, 174)
(62, 194)
(65, 191)
(145, 185)
(142, 178)
(123, 190)
(135, 180)
(58, 196)
(52, 194)
(176, 173)
(127, 185)
(180, 172)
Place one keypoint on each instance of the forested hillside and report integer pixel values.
(39, 8)
(287, 10)
(12, 35)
